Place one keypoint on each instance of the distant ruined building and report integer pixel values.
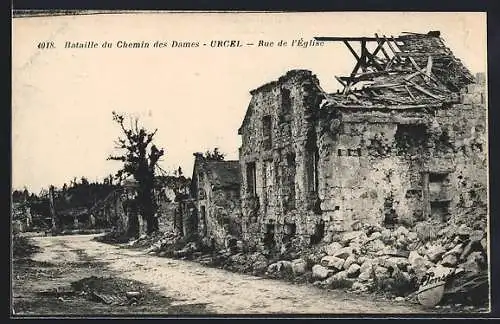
(215, 188)
(121, 209)
(403, 142)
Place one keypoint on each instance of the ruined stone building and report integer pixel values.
(403, 142)
(215, 194)
(109, 211)
(168, 191)
(21, 216)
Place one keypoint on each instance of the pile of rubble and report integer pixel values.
(394, 261)
(399, 262)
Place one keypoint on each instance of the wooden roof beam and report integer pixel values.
(352, 50)
(349, 39)
(381, 45)
(394, 51)
(363, 57)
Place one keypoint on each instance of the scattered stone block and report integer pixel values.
(435, 252)
(332, 262)
(344, 253)
(320, 272)
(341, 275)
(330, 249)
(350, 260)
(375, 235)
(386, 236)
(476, 236)
(353, 270)
(381, 273)
(375, 246)
(367, 265)
(456, 250)
(349, 236)
(450, 260)
(401, 263)
(299, 266)
(259, 266)
(401, 230)
(464, 230)
(484, 244)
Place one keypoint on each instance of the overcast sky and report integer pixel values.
(63, 98)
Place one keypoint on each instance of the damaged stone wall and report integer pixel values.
(216, 194)
(223, 215)
(277, 157)
(364, 178)
(185, 217)
(166, 216)
(464, 133)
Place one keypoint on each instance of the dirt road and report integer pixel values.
(221, 291)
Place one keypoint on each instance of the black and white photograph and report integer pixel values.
(249, 163)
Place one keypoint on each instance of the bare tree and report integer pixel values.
(140, 157)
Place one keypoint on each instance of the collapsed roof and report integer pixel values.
(412, 69)
(221, 174)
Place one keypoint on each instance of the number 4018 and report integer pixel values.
(45, 45)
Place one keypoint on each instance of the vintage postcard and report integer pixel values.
(203, 163)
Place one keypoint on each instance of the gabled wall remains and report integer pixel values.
(279, 195)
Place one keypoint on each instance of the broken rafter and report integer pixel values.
(353, 97)
(392, 100)
(358, 63)
(411, 76)
(409, 92)
(361, 63)
(340, 81)
(414, 63)
(395, 43)
(366, 59)
(347, 88)
(381, 44)
(373, 56)
(391, 47)
(389, 64)
(427, 72)
(372, 59)
(384, 85)
(419, 88)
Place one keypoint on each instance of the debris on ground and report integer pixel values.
(112, 291)
(395, 263)
(113, 237)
